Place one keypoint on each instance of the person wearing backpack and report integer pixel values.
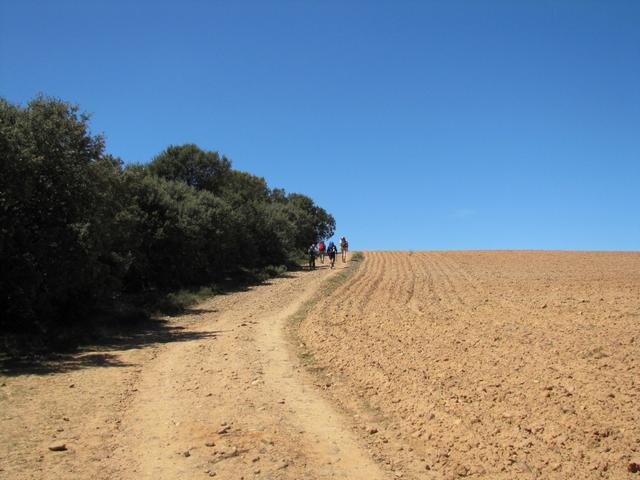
(344, 248)
(321, 250)
(312, 256)
(332, 251)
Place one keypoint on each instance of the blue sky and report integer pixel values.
(435, 125)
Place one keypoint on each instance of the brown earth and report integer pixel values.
(495, 365)
(216, 393)
(422, 365)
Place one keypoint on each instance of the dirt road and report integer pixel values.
(218, 392)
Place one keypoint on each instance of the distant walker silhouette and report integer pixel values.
(344, 248)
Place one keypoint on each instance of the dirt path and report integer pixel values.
(218, 392)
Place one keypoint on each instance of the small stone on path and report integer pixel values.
(58, 448)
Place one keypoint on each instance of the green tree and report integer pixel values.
(178, 236)
(312, 222)
(77, 227)
(55, 205)
(193, 166)
(242, 187)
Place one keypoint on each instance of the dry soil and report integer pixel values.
(492, 365)
(215, 393)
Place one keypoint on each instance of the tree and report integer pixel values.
(178, 236)
(193, 166)
(54, 208)
(242, 187)
(312, 223)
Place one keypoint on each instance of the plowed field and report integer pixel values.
(488, 364)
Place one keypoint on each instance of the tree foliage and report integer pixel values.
(54, 211)
(77, 226)
(193, 166)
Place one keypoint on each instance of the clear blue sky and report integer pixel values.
(448, 125)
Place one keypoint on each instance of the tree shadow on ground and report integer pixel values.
(245, 287)
(115, 328)
(319, 266)
(95, 351)
(57, 363)
(197, 311)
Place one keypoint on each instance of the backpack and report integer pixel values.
(321, 246)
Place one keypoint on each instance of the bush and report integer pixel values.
(178, 236)
(55, 208)
(79, 230)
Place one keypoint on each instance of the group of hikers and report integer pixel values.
(321, 249)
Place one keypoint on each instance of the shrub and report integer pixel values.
(55, 207)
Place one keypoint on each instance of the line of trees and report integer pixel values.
(78, 226)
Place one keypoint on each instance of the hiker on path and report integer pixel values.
(332, 251)
(322, 248)
(344, 248)
(312, 256)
